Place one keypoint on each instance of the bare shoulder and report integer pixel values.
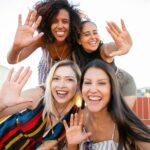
(143, 145)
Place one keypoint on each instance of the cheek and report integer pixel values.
(73, 89)
(84, 91)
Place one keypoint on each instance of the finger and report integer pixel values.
(123, 25)
(86, 135)
(19, 20)
(71, 120)
(26, 78)
(113, 35)
(76, 119)
(114, 28)
(23, 75)
(81, 119)
(10, 74)
(28, 17)
(38, 36)
(65, 124)
(16, 76)
(32, 18)
(37, 23)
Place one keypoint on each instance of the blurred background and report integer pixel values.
(136, 14)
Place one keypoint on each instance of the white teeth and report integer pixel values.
(93, 43)
(60, 33)
(94, 98)
(61, 92)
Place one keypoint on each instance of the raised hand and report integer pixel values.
(12, 87)
(74, 133)
(25, 32)
(121, 37)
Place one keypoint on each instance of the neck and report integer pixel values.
(99, 119)
(62, 108)
(60, 44)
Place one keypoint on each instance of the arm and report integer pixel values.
(11, 89)
(35, 94)
(143, 145)
(122, 42)
(25, 42)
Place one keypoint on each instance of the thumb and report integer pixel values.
(21, 100)
(86, 135)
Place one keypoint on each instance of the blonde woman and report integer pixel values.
(30, 128)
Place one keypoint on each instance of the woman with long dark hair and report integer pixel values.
(108, 122)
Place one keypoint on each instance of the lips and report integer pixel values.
(61, 94)
(94, 98)
(93, 43)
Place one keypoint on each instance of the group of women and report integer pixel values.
(47, 117)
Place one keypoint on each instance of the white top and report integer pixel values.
(104, 145)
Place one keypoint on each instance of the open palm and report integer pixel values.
(25, 33)
(12, 87)
(121, 37)
(74, 133)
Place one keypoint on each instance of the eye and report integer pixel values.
(70, 80)
(55, 78)
(65, 21)
(85, 34)
(86, 82)
(95, 32)
(54, 21)
(102, 83)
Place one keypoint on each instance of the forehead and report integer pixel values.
(96, 73)
(62, 13)
(88, 26)
(65, 71)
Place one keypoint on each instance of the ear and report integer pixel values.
(79, 41)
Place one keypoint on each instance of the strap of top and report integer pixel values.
(113, 132)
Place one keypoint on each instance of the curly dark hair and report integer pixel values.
(48, 9)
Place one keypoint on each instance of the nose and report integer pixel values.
(60, 24)
(93, 88)
(92, 36)
(61, 84)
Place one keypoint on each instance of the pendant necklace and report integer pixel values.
(61, 55)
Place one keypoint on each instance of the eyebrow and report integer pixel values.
(65, 76)
(105, 79)
(89, 31)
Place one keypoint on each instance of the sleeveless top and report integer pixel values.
(104, 145)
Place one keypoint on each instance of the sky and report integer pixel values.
(135, 13)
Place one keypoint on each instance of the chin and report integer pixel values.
(93, 109)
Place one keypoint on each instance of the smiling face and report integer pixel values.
(64, 84)
(96, 89)
(89, 38)
(61, 25)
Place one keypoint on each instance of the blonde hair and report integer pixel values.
(48, 97)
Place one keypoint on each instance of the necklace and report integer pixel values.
(60, 56)
(59, 114)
